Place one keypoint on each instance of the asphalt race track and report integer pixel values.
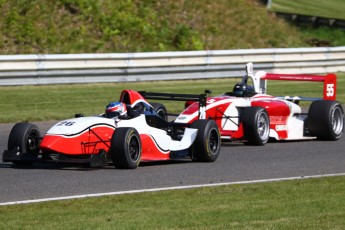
(235, 163)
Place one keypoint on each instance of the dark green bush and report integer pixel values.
(88, 26)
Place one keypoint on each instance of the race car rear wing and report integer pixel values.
(261, 77)
(201, 98)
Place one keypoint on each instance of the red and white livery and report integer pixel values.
(123, 141)
(255, 117)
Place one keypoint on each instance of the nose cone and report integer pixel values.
(90, 141)
(60, 144)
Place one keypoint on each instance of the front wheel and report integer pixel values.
(256, 125)
(24, 138)
(326, 120)
(125, 149)
(206, 147)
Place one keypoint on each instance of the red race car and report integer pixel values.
(129, 132)
(249, 115)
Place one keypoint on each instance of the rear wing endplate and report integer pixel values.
(201, 98)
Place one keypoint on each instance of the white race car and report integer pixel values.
(123, 141)
(249, 115)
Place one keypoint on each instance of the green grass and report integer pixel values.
(56, 102)
(321, 8)
(321, 36)
(301, 204)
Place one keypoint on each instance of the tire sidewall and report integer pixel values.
(335, 106)
(201, 150)
(214, 131)
(132, 135)
(263, 112)
(120, 148)
(320, 119)
(250, 118)
(19, 137)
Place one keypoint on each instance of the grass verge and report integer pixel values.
(301, 204)
(56, 102)
(321, 8)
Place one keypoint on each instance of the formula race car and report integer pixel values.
(249, 115)
(129, 132)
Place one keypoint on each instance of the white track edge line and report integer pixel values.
(166, 189)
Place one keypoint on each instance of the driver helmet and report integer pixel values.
(115, 109)
(242, 90)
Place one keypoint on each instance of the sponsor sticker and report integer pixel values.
(281, 127)
(278, 120)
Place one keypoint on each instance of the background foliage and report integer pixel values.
(107, 26)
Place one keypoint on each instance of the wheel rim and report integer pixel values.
(337, 121)
(134, 148)
(32, 142)
(263, 126)
(213, 140)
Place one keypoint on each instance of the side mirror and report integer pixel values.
(208, 92)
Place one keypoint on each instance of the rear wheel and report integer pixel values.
(326, 120)
(206, 147)
(160, 110)
(125, 148)
(25, 138)
(256, 125)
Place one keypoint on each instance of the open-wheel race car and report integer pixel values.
(129, 132)
(249, 115)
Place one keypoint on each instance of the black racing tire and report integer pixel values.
(326, 120)
(256, 125)
(206, 147)
(125, 149)
(160, 110)
(26, 137)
